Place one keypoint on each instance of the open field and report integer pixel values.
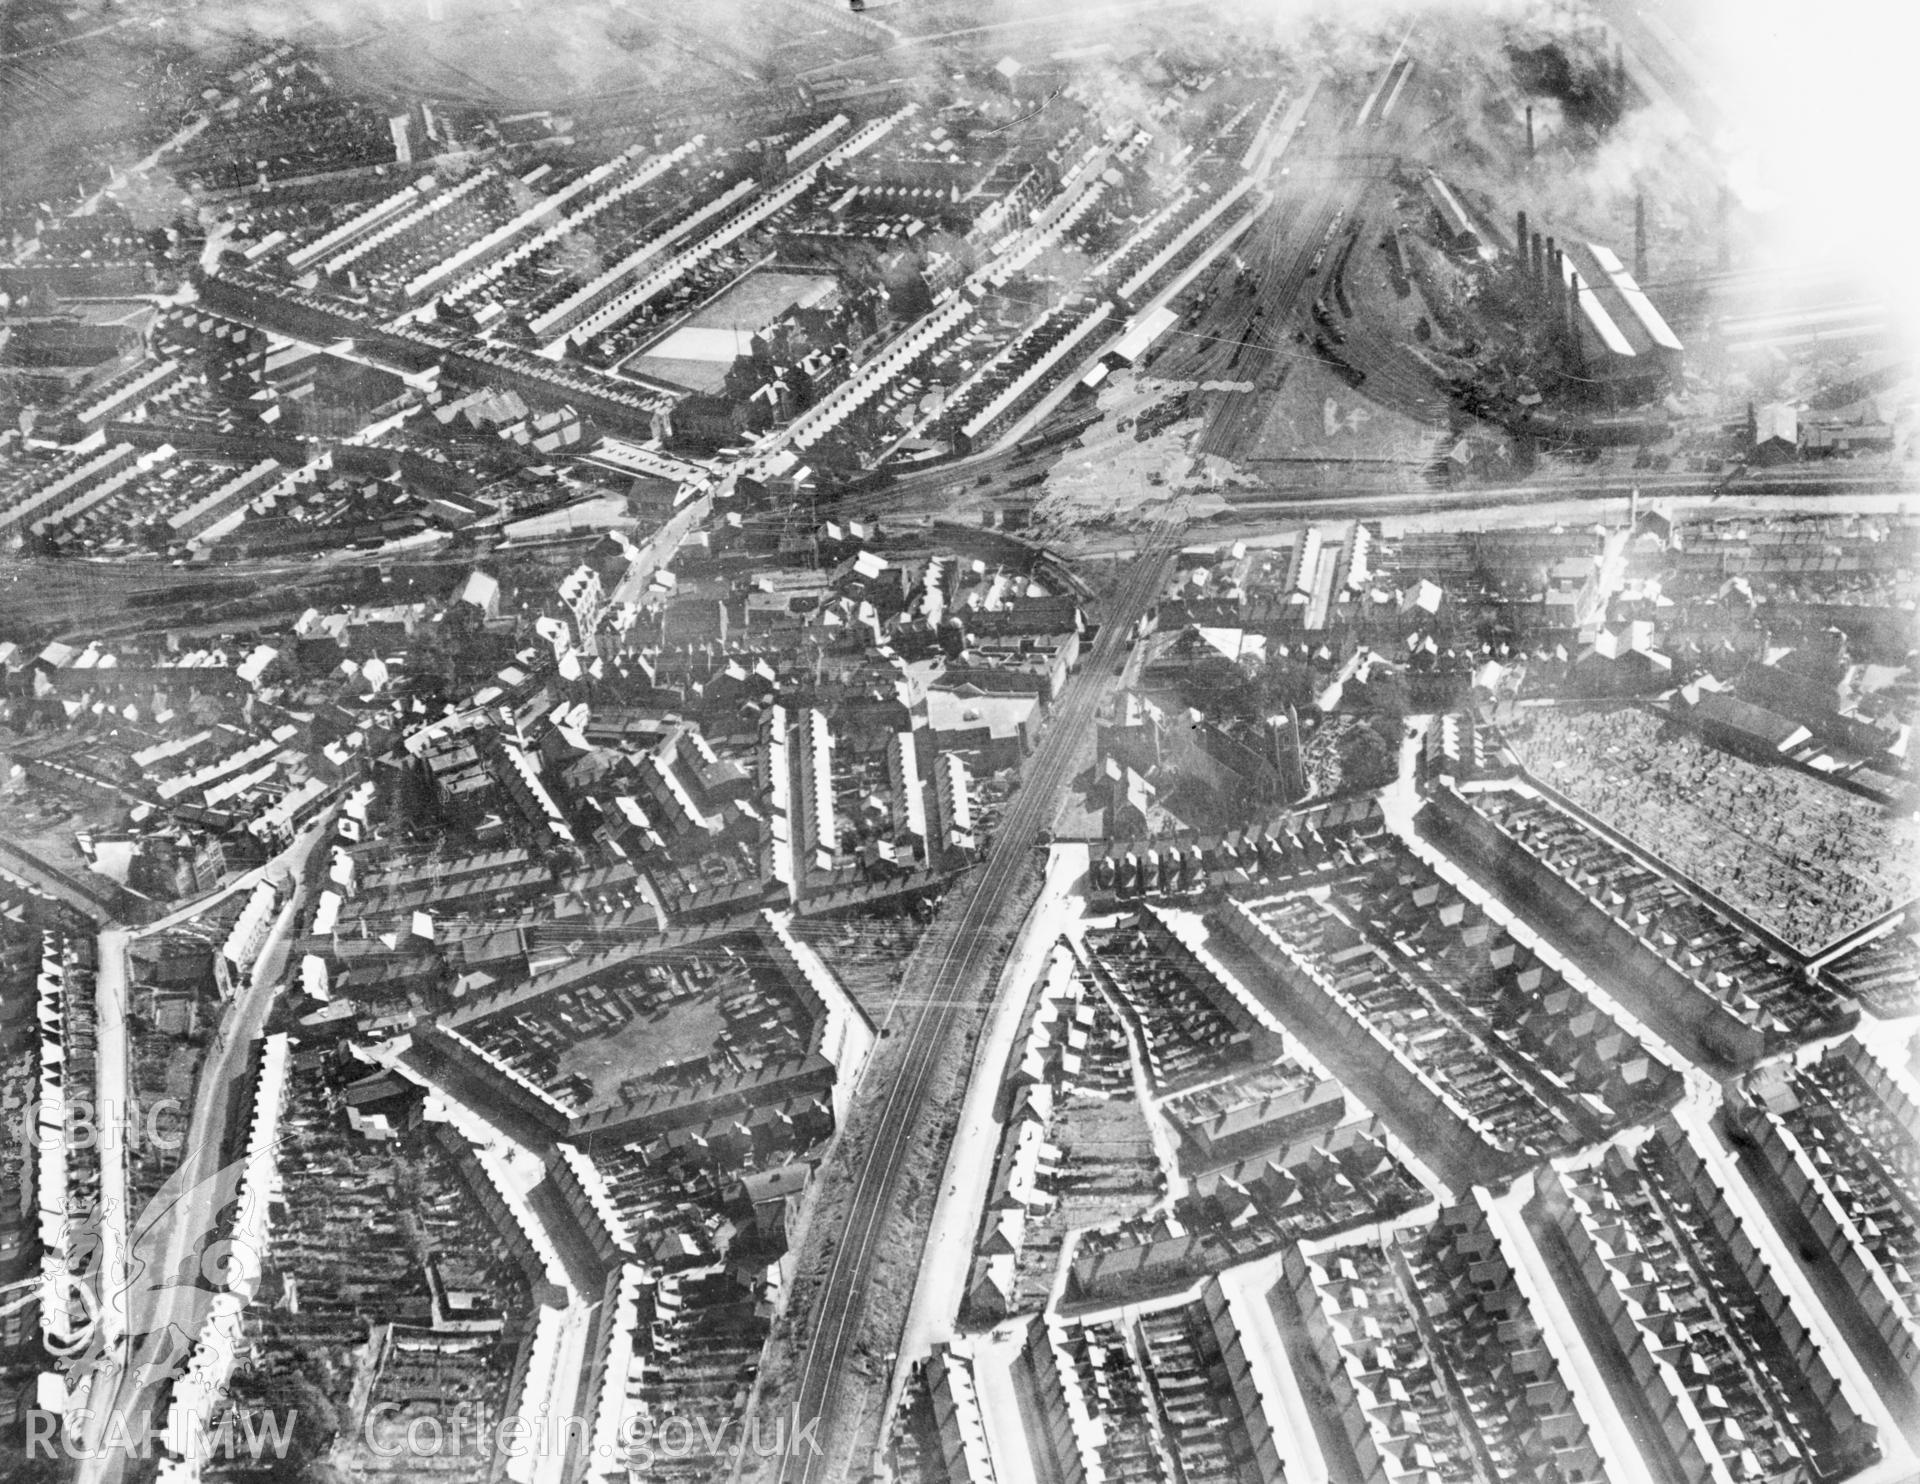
(1108, 1171)
(681, 1032)
(1316, 417)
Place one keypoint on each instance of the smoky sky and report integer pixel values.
(1808, 113)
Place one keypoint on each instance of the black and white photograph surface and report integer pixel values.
(957, 742)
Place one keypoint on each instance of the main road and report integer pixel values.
(970, 938)
(964, 956)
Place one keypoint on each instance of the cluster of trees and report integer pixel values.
(1251, 689)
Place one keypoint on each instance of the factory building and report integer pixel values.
(1617, 339)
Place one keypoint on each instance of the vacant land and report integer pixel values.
(1317, 418)
(868, 955)
(681, 1032)
(1805, 859)
(1107, 1173)
(1127, 468)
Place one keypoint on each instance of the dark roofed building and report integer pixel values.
(1742, 727)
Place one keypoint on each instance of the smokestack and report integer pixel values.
(1550, 266)
(1529, 131)
(1639, 236)
(1537, 263)
(1520, 236)
(1575, 347)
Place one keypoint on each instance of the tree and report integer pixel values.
(1366, 761)
(1383, 695)
(1217, 686)
(1287, 682)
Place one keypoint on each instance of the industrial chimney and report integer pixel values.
(1529, 131)
(1575, 347)
(1520, 239)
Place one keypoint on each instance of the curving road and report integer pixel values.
(966, 955)
(152, 1249)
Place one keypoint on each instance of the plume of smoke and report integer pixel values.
(1582, 180)
(479, 49)
(520, 195)
(1817, 133)
(1806, 114)
(1118, 97)
(1062, 263)
(578, 255)
(151, 200)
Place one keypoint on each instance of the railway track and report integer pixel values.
(966, 953)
